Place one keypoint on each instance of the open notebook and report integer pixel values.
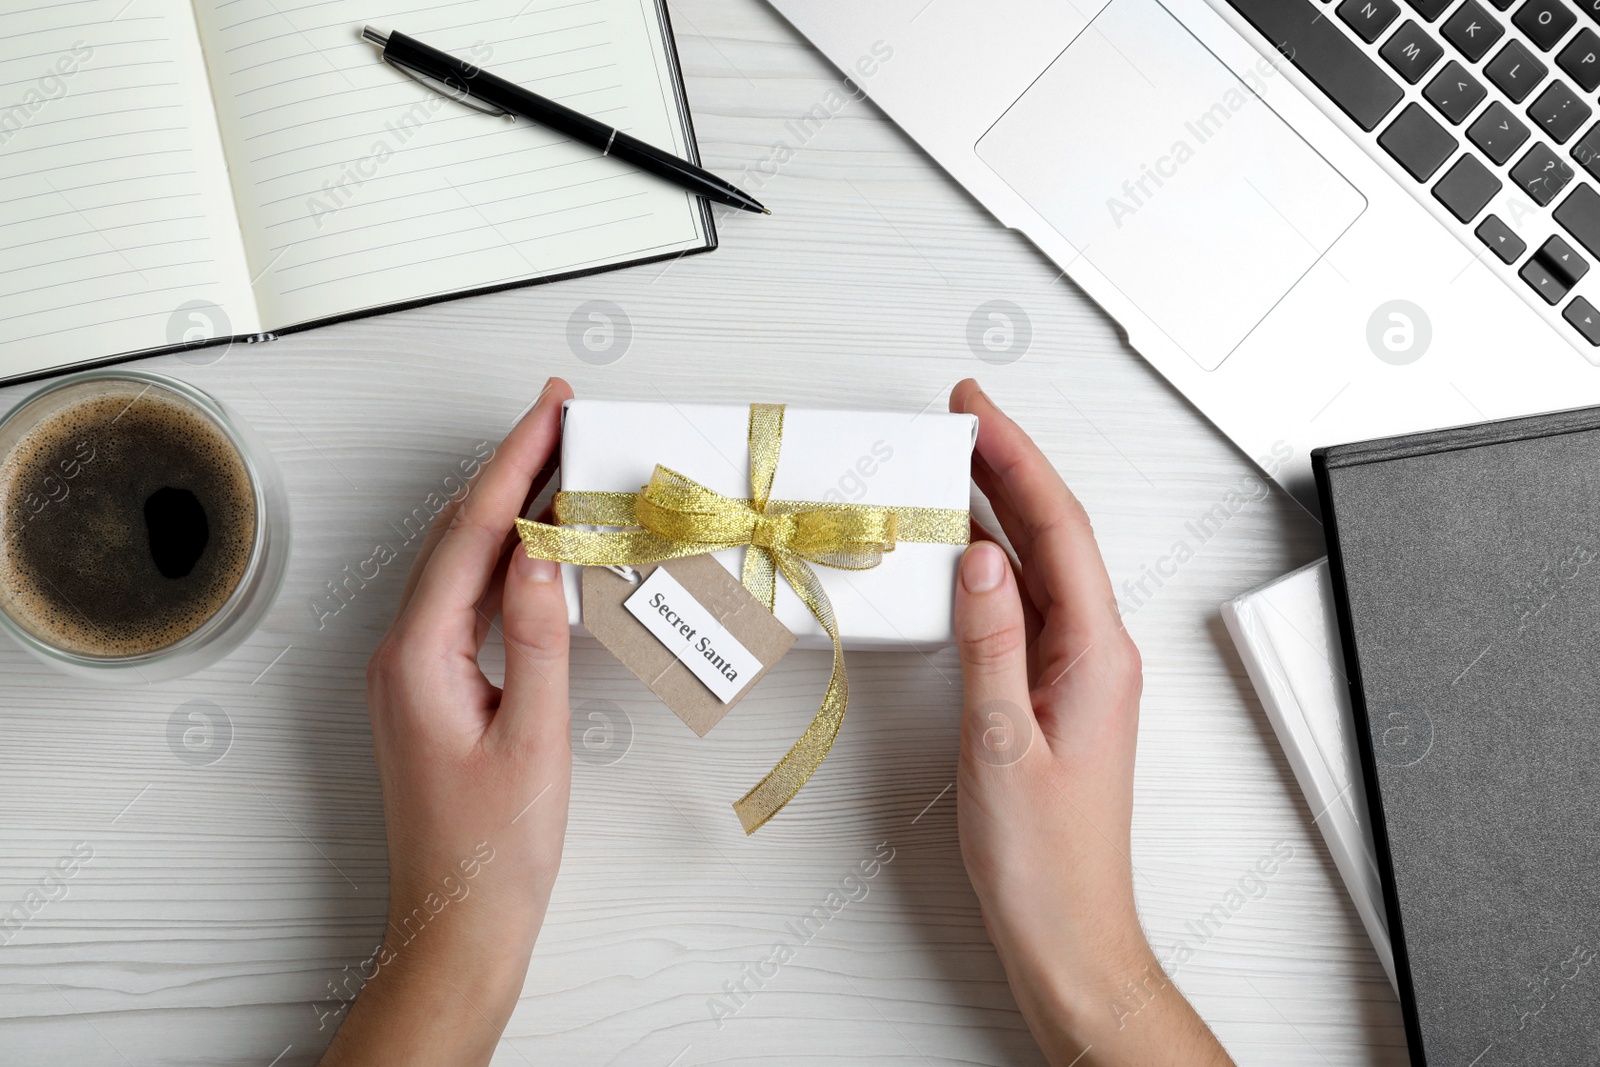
(176, 171)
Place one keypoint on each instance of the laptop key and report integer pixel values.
(1543, 280)
(1472, 30)
(1541, 173)
(1583, 316)
(1498, 133)
(1516, 71)
(1554, 270)
(1369, 18)
(1418, 143)
(1579, 215)
(1563, 260)
(1581, 59)
(1412, 52)
(1559, 111)
(1466, 188)
(1429, 9)
(1590, 8)
(1455, 92)
(1499, 239)
(1544, 21)
(1587, 152)
(1323, 53)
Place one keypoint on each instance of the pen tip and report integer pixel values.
(766, 211)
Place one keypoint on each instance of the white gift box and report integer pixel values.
(863, 457)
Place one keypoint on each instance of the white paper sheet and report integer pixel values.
(356, 187)
(116, 217)
(1288, 637)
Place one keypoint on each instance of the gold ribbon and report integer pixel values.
(675, 516)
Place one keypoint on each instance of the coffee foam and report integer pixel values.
(75, 563)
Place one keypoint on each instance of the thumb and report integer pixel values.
(997, 724)
(534, 610)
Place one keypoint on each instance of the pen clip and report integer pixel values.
(444, 88)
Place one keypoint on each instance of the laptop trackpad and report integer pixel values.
(1172, 176)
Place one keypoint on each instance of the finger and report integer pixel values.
(1031, 619)
(997, 724)
(534, 611)
(1065, 561)
(1005, 509)
(442, 523)
(961, 396)
(960, 392)
(463, 564)
(488, 605)
(1035, 597)
(430, 541)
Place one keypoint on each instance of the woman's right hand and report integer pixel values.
(1045, 785)
(475, 776)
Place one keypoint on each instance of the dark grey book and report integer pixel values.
(1466, 566)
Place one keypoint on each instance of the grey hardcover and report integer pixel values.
(1466, 564)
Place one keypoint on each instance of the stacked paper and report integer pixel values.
(1288, 637)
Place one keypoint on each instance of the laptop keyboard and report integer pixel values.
(1469, 97)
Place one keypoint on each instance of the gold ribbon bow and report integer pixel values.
(675, 516)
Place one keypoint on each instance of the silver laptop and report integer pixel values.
(1322, 220)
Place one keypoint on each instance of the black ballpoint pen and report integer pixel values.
(472, 85)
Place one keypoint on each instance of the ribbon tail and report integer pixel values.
(800, 762)
(759, 575)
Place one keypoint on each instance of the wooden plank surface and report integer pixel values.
(223, 903)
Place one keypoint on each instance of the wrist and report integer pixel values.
(467, 981)
(452, 915)
(441, 986)
(477, 939)
(1118, 1010)
(436, 995)
(1075, 997)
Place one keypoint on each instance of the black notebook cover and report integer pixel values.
(1466, 566)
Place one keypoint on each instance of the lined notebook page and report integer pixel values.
(117, 229)
(356, 187)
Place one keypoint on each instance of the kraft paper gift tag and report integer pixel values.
(666, 670)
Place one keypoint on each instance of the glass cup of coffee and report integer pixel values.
(144, 529)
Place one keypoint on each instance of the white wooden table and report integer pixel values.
(226, 900)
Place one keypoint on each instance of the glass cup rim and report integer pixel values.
(206, 631)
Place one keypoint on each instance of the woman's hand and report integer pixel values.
(1045, 784)
(475, 778)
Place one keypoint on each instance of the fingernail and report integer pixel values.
(983, 567)
(532, 569)
(523, 414)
